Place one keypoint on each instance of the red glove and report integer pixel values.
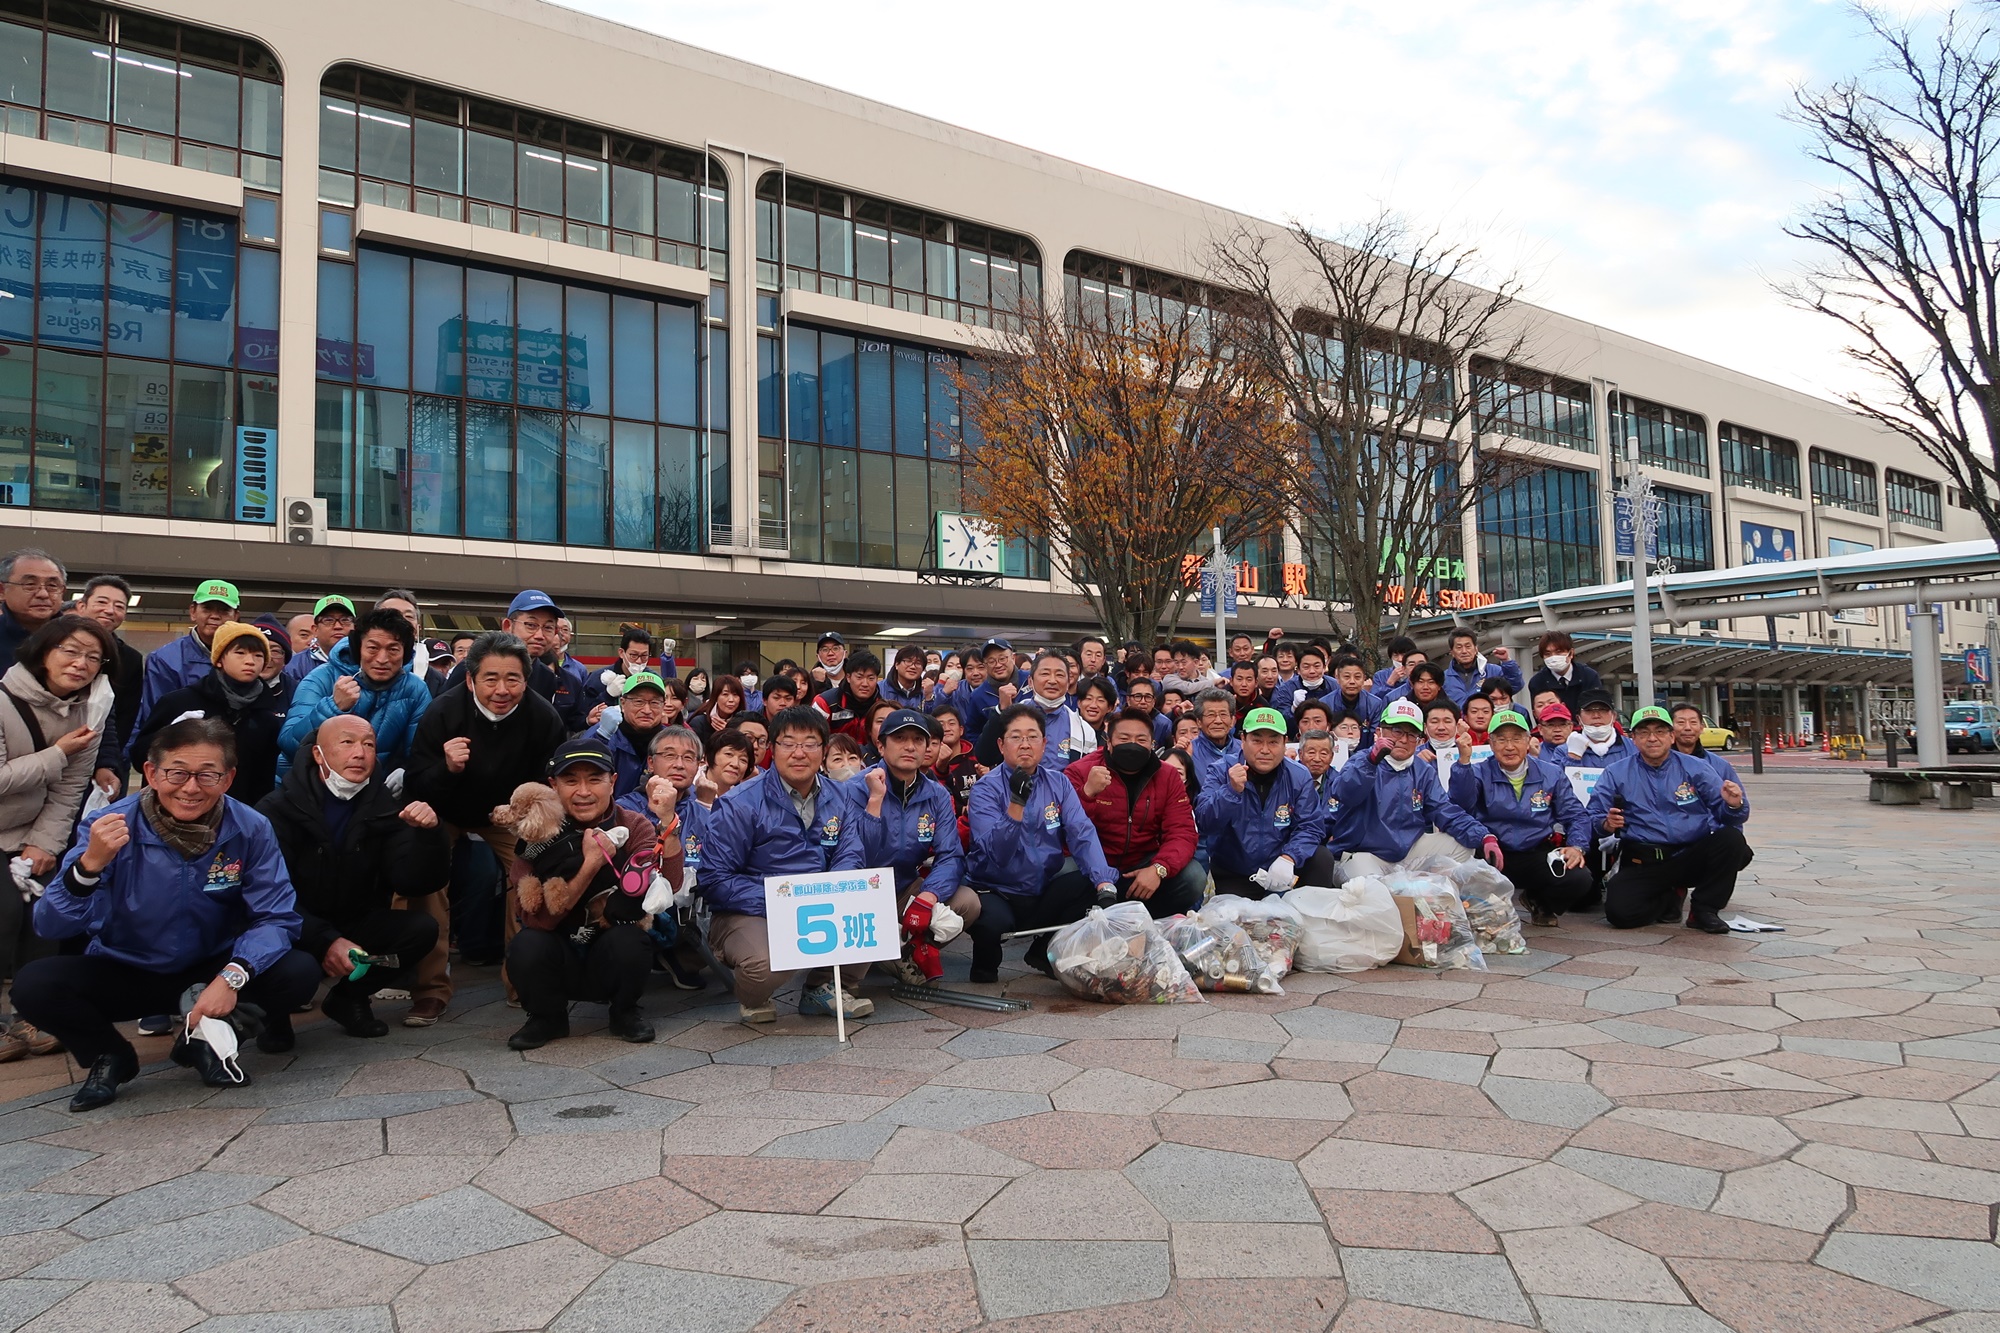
(916, 923)
(1380, 748)
(1490, 849)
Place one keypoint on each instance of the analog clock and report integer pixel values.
(967, 545)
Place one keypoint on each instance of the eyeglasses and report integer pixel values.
(207, 779)
(37, 585)
(83, 655)
(792, 745)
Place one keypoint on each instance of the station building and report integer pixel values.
(478, 295)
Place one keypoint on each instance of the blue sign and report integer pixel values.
(1978, 666)
(1624, 525)
(1208, 581)
(1767, 545)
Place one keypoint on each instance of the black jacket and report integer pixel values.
(378, 856)
(505, 754)
(1583, 678)
(256, 726)
(558, 687)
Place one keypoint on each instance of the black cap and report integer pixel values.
(830, 636)
(590, 751)
(904, 718)
(991, 644)
(1595, 699)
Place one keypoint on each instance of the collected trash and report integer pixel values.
(1349, 929)
(1219, 954)
(1488, 897)
(1444, 938)
(1274, 925)
(1118, 955)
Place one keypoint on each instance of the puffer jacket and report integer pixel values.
(393, 710)
(41, 789)
(1134, 830)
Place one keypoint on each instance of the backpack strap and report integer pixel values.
(27, 719)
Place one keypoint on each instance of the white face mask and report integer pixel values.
(343, 789)
(221, 1038)
(1558, 663)
(1599, 735)
(749, 681)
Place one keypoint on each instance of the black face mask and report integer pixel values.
(1130, 760)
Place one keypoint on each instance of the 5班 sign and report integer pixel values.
(831, 920)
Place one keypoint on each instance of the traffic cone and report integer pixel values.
(1767, 742)
(1823, 747)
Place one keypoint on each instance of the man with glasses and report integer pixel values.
(666, 790)
(333, 620)
(106, 600)
(176, 887)
(788, 820)
(31, 593)
(186, 661)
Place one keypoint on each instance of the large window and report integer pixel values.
(1843, 482)
(465, 401)
(1539, 534)
(1759, 461)
(1109, 293)
(138, 359)
(861, 249)
(1668, 437)
(1687, 530)
(1529, 405)
(411, 146)
(1914, 500)
(140, 86)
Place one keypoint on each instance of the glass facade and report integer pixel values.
(1914, 500)
(458, 400)
(1529, 405)
(1397, 382)
(138, 359)
(1687, 530)
(1759, 461)
(422, 149)
(1539, 534)
(828, 240)
(1843, 482)
(1668, 437)
(140, 86)
(1108, 293)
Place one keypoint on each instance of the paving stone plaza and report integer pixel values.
(1650, 1130)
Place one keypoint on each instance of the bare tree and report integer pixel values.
(1371, 338)
(1119, 445)
(1906, 267)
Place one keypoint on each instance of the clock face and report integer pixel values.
(967, 545)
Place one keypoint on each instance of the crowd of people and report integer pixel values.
(262, 814)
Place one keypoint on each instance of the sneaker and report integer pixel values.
(763, 1013)
(424, 1014)
(39, 1042)
(630, 1025)
(159, 1025)
(906, 972)
(12, 1047)
(819, 1000)
(684, 977)
(1544, 917)
(539, 1032)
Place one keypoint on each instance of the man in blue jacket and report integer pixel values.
(1312, 682)
(1679, 828)
(177, 886)
(1264, 823)
(367, 675)
(910, 823)
(186, 661)
(332, 621)
(788, 820)
(1216, 747)
(1467, 671)
(1529, 806)
(1392, 808)
(1027, 825)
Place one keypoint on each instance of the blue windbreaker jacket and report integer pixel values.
(1676, 803)
(1546, 803)
(909, 833)
(753, 832)
(1384, 812)
(1018, 858)
(1245, 832)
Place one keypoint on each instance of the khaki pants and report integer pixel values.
(432, 977)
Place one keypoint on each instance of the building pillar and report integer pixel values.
(1792, 705)
(298, 302)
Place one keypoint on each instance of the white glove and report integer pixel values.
(1277, 877)
(1575, 744)
(24, 880)
(394, 782)
(659, 896)
(946, 925)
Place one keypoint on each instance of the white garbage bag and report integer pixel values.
(1349, 929)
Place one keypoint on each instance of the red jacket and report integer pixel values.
(1157, 826)
(846, 714)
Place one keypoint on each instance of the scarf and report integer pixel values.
(242, 696)
(189, 839)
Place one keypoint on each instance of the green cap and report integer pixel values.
(646, 680)
(218, 590)
(1652, 713)
(1265, 719)
(330, 601)
(1506, 717)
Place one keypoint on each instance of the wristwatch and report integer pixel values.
(234, 975)
(1160, 870)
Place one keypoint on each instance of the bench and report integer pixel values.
(1952, 788)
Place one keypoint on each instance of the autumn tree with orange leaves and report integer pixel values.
(1120, 446)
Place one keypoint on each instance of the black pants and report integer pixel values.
(19, 945)
(1318, 869)
(1065, 898)
(549, 972)
(76, 998)
(1649, 879)
(478, 901)
(1535, 884)
(1178, 893)
(409, 935)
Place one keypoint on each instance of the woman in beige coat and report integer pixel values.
(53, 703)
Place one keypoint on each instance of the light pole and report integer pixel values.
(1639, 496)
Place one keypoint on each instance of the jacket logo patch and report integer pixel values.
(1282, 817)
(926, 828)
(1416, 800)
(829, 832)
(223, 876)
(1539, 801)
(1685, 794)
(1052, 816)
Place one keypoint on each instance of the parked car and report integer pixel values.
(1968, 726)
(1717, 738)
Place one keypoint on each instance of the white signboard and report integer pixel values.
(831, 920)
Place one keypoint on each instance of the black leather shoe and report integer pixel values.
(1703, 920)
(100, 1087)
(539, 1032)
(631, 1025)
(354, 1014)
(1038, 957)
(1670, 914)
(277, 1036)
(983, 975)
(200, 1057)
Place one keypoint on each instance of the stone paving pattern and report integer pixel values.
(1651, 1130)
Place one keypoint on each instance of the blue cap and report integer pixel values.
(531, 599)
(903, 719)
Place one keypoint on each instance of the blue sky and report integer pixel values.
(1628, 157)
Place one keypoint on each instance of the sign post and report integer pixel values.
(829, 920)
(1637, 524)
(1218, 595)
